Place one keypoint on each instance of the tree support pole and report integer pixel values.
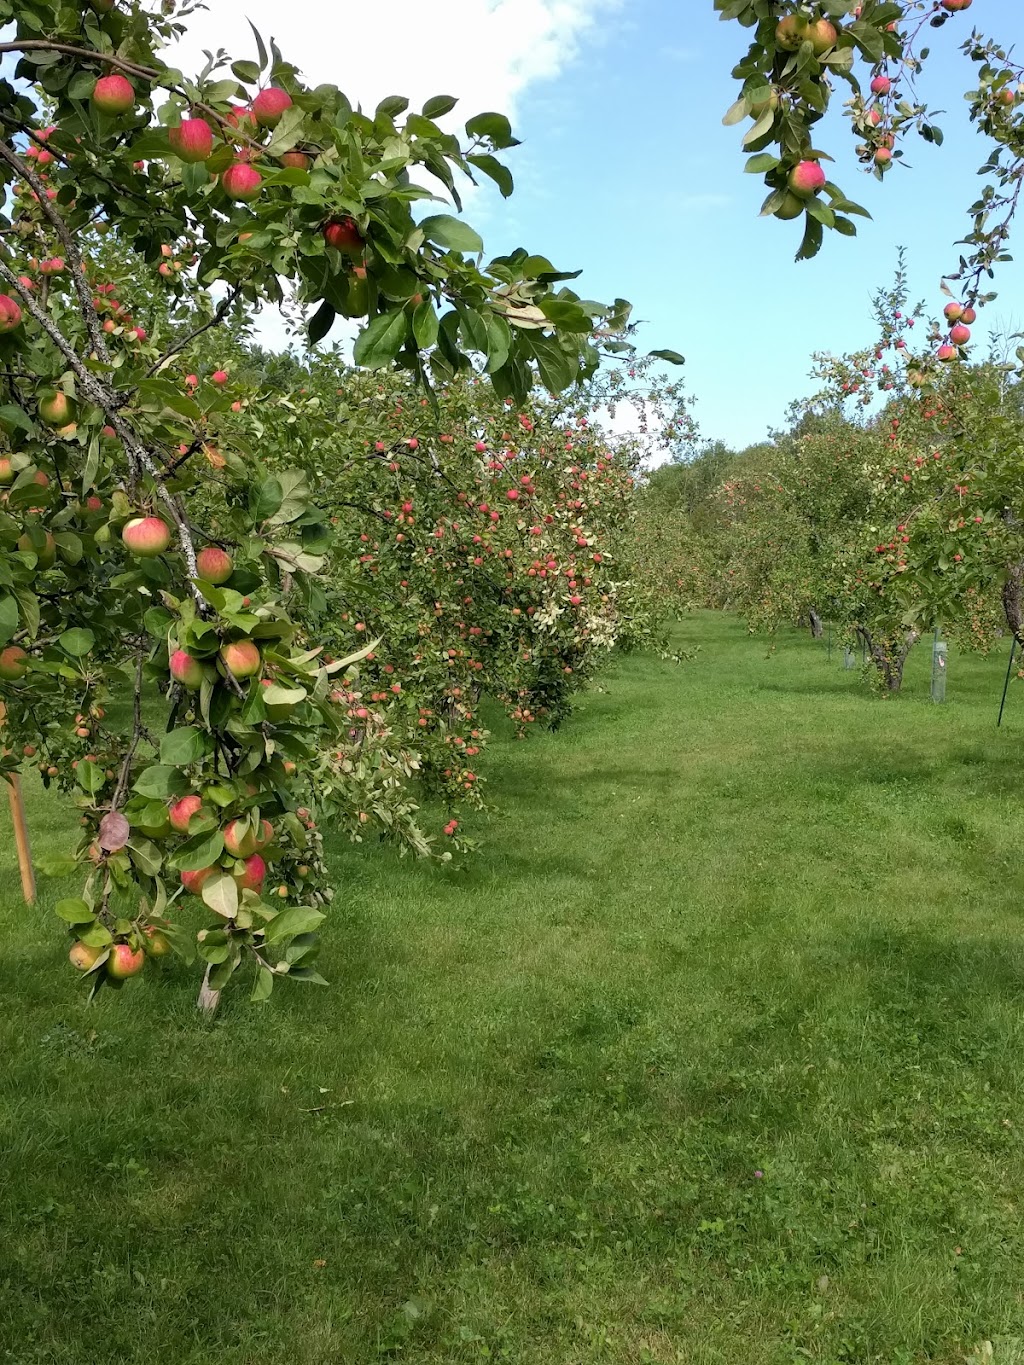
(20, 823)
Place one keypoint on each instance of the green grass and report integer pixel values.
(737, 917)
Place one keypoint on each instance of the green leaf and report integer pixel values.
(263, 985)
(452, 233)
(425, 325)
(220, 893)
(495, 127)
(74, 912)
(145, 855)
(268, 498)
(55, 864)
(673, 357)
(492, 167)
(439, 105)
(8, 619)
(379, 343)
(247, 72)
(761, 128)
(182, 746)
(813, 237)
(499, 341)
(737, 112)
(761, 163)
(157, 781)
(202, 850)
(276, 695)
(287, 132)
(566, 315)
(307, 974)
(90, 776)
(297, 919)
(77, 642)
(556, 370)
(321, 322)
(13, 416)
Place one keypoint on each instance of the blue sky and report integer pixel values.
(627, 172)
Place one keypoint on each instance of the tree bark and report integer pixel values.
(890, 664)
(208, 999)
(1013, 600)
(817, 629)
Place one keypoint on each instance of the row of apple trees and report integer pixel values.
(890, 506)
(235, 603)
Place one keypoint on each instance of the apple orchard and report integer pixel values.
(246, 596)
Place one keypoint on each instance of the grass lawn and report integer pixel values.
(714, 1054)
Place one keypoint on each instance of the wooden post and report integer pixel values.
(21, 842)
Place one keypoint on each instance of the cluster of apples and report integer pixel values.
(961, 320)
(192, 141)
(243, 848)
(147, 537)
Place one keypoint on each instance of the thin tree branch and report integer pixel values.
(223, 308)
(74, 256)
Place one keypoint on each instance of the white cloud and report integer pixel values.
(487, 52)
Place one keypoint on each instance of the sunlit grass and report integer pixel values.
(715, 1054)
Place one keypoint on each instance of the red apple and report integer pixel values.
(806, 178)
(13, 665)
(192, 140)
(960, 335)
(823, 36)
(239, 839)
(157, 943)
(214, 564)
(343, 235)
(146, 537)
(54, 407)
(252, 878)
(953, 312)
(269, 105)
(113, 95)
(193, 881)
(47, 556)
(181, 812)
(219, 377)
(125, 961)
(83, 957)
(298, 161)
(242, 182)
(10, 314)
(242, 658)
(881, 85)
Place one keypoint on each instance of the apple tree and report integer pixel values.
(156, 589)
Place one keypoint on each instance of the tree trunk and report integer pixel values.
(1013, 597)
(208, 999)
(817, 629)
(890, 664)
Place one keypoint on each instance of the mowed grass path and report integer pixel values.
(714, 1054)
